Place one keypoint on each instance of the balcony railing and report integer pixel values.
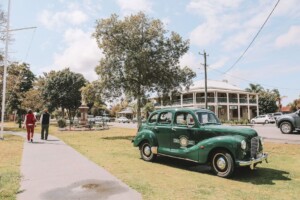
(233, 100)
(252, 101)
(202, 99)
(243, 100)
(187, 101)
(222, 100)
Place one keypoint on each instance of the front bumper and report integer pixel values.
(252, 162)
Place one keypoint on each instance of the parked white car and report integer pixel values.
(122, 119)
(262, 119)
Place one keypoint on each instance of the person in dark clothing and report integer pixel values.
(45, 120)
(29, 123)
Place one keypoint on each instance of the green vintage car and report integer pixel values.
(197, 135)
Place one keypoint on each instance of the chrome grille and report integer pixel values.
(254, 147)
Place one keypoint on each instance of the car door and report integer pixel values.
(183, 133)
(162, 131)
(297, 119)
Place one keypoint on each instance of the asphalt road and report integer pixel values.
(268, 131)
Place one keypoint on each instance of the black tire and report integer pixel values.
(222, 164)
(146, 153)
(286, 127)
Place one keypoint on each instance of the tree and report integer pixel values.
(267, 102)
(278, 98)
(20, 80)
(295, 105)
(62, 90)
(92, 94)
(255, 88)
(140, 58)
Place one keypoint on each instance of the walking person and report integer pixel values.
(45, 120)
(29, 123)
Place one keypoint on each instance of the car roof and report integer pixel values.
(182, 109)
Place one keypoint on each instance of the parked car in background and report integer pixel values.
(106, 119)
(262, 119)
(289, 122)
(98, 119)
(197, 135)
(122, 120)
(134, 120)
(276, 115)
(91, 119)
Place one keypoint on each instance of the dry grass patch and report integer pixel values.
(10, 159)
(175, 179)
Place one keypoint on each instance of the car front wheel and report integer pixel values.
(146, 153)
(286, 127)
(222, 164)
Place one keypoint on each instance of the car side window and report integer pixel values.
(183, 118)
(153, 118)
(165, 118)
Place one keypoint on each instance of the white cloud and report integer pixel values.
(290, 38)
(190, 60)
(55, 20)
(211, 8)
(288, 8)
(205, 34)
(133, 6)
(81, 54)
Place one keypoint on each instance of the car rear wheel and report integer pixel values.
(286, 127)
(146, 153)
(222, 164)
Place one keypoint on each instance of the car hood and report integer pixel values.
(219, 130)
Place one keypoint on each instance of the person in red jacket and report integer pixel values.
(29, 122)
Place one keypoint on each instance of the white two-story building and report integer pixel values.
(229, 102)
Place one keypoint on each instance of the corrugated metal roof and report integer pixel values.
(213, 84)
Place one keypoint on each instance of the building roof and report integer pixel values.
(127, 110)
(215, 85)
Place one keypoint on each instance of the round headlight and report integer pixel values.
(243, 144)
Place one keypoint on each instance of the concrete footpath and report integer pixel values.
(51, 170)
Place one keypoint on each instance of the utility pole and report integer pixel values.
(5, 68)
(205, 78)
(4, 73)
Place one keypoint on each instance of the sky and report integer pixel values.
(223, 29)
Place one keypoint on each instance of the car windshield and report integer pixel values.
(207, 118)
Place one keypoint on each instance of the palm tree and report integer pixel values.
(255, 88)
(278, 98)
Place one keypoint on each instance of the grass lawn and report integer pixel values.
(10, 159)
(175, 179)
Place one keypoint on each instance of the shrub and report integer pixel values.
(61, 123)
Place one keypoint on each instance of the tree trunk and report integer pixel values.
(139, 111)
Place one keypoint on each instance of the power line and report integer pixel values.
(241, 56)
(262, 84)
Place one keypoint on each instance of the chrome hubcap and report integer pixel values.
(221, 163)
(285, 128)
(147, 151)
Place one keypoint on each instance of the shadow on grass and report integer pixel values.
(119, 138)
(258, 176)
(261, 176)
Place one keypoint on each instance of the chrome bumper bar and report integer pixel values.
(263, 157)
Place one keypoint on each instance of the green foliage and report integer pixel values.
(20, 80)
(61, 123)
(267, 102)
(266, 99)
(140, 58)
(62, 90)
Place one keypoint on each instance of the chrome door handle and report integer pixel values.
(173, 129)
